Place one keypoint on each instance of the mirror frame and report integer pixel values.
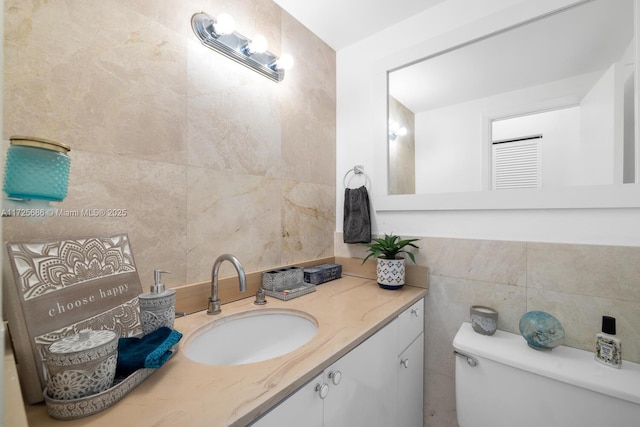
(579, 197)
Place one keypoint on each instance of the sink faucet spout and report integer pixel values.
(214, 302)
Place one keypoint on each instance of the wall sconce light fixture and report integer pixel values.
(395, 130)
(36, 172)
(219, 35)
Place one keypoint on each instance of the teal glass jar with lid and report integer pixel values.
(36, 168)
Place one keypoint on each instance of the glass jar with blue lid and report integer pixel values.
(36, 168)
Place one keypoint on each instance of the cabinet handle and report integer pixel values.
(335, 377)
(415, 311)
(322, 389)
(404, 362)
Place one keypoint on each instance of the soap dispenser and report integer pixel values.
(158, 307)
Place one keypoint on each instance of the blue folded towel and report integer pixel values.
(150, 351)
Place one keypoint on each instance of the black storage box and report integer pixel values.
(322, 273)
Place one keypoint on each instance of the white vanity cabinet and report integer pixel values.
(378, 383)
(362, 384)
(410, 385)
(411, 366)
(303, 408)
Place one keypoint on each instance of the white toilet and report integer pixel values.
(500, 381)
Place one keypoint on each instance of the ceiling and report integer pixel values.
(340, 23)
(559, 41)
(582, 40)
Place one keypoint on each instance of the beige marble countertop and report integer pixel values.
(184, 392)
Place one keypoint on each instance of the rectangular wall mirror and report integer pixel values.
(547, 104)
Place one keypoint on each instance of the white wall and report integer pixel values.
(598, 132)
(361, 123)
(560, 130)
(448, 149)
(449, 140)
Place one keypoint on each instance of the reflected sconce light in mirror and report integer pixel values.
(219, 35)
(395, 130)
(36, 173)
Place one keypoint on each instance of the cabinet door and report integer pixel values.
(410, 325)
(410, 384)
(363, 383)
(302, 408)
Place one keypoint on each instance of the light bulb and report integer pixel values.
(393, 126)
(402, 131)
(258, 44)
(225, 24)
(285, 62)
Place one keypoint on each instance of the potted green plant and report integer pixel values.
(390, 270)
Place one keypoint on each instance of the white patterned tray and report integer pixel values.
(293, 292)
(89, 405)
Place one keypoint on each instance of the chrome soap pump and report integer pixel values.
(158, 307)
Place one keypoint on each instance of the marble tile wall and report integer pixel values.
(205, 155)
(576, 283)
(402, 151)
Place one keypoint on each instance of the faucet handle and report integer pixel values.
(260, 297)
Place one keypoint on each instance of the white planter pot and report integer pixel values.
(390, 273)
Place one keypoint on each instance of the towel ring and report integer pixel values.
(357, 170)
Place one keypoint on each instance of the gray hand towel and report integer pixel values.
(357, 222)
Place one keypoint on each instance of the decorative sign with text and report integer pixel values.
(62, 287)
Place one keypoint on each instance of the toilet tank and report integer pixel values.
(513, 385)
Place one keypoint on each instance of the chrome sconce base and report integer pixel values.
(235, 46)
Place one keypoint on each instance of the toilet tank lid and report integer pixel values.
(566, 364)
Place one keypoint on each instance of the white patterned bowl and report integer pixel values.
(82, 364)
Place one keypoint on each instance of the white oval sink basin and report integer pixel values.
(250, 337)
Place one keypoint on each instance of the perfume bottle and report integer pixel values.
(158, 307)
(608, 346)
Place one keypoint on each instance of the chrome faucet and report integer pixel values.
(214, 302)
